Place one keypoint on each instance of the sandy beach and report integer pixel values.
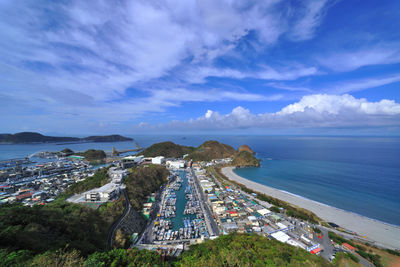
(384, 234)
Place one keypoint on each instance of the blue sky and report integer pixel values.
(264, 67)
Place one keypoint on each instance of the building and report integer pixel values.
(130, 161)
(117, 175)
(280, 236)
(105, 193)
(158, 160)
(348, 247)
(176, 164)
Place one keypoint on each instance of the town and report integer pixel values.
(192, 207)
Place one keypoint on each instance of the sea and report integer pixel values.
(356, 174)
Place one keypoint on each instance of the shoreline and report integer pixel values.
(383, 233)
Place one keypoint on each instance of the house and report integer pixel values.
(348, 247)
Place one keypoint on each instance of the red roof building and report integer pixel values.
(23, 196)
(315, 251)
(348, 246)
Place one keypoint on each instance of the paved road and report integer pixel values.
(203, 202)
(115, 225)
(326, 244)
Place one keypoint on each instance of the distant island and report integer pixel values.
(32, 137)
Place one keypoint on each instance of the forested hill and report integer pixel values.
(210, 150)
(166, 149)
(32, 137)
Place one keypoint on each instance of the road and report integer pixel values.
(115, 225)
(206, 209)
(326, 245)
(147, 235)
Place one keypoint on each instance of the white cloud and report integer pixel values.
(319, 110)
(198, 74)
(310, 18)
(342, 87)
(336, 104)
(351, 60)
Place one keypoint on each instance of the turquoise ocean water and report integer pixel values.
(357, 174)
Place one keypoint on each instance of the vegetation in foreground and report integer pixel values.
(229, 250)
(247, 250)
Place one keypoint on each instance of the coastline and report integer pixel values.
(380, 232)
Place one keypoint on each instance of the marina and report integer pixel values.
(180, 217)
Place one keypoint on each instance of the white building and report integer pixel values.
(158, 160)
(117, 175)
(176, 164)
(136, 159)
(103, 194)
(280, 236)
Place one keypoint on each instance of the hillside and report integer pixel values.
(211, 150)
(32, 137)
(226, 250)
(92, 155)
(166, 149)
(245, 159)
(245, 148)
(107, 138)
(143, 181)
(247, 250)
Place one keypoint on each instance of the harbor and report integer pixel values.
(181, 217)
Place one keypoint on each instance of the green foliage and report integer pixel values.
(107, 138)
(247, 250)
(53, 226)
(166, 149)
(374, 258)
(67, 151)
(245, 159)
(393, 252)
(317, 230)
(275, 209)
(340, 240)
(32, 137)
(93, 155)
(143, 181)
(14, 258)
(122, 257)
(211, 150)
(61, 257)
(352, 257)
(99, 179)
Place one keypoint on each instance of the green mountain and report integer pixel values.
(245, 157)
(32, 137)
(166, 149)
(210, 150)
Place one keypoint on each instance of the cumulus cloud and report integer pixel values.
(318, 110)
